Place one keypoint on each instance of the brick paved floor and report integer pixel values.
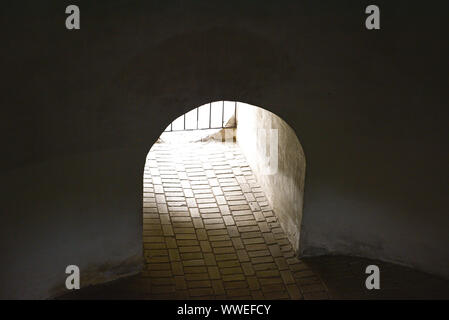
(209, 232)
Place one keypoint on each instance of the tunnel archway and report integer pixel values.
(223, 200)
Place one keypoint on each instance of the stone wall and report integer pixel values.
(282, 178)
(81, 110)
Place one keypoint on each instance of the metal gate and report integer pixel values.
(214, 115)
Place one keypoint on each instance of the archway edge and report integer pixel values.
(281, 174)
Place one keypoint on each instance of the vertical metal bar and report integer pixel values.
(210, 115)
(222, 115)
(184, 121)
(235, 114)
(197, 117)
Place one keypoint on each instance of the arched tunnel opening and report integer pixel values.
(222, 204)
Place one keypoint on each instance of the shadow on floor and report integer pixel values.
(344, 277)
